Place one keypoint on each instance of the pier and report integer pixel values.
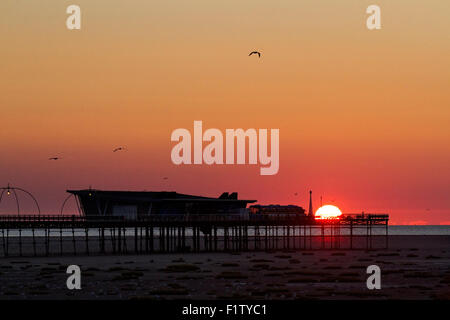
(52, 235)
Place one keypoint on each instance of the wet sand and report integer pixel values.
(414, 267)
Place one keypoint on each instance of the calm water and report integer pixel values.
(420, 230)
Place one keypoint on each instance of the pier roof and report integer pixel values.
(156, 196)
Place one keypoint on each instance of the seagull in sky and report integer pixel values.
(118, 149)
(255, 52)
(54, 158)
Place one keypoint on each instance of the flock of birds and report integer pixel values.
(117, 149)
(123, 148)
(114, 150)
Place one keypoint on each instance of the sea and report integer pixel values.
(425, 230)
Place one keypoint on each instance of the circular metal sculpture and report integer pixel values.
(64, 203)
(13, 190)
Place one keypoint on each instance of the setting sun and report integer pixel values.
(328, 212)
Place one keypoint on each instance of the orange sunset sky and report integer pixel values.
(364, 116)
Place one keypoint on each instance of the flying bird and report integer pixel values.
(118, 149)
(54, 158)
(255, 52)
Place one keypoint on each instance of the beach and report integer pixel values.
(413, 267)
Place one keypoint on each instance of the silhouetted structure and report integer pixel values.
(50, 235)
(10, 190)
(310, 211)
(134, 204)
(277, 209)
(121, 222)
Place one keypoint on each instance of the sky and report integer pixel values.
(363, 115)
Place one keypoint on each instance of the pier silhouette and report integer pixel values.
(49, 235)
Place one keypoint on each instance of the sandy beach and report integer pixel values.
(414, 267)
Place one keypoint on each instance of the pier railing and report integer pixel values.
(194, 218)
